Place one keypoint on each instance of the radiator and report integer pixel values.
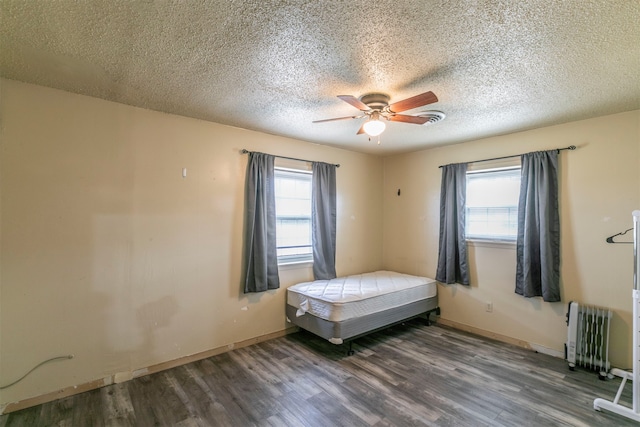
(588, 337)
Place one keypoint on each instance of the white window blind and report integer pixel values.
(293, 215)
(492, 204)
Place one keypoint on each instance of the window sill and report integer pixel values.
(500, 244)
(293, 265)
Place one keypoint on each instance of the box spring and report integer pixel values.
(338, 332)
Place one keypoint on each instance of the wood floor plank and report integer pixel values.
(303, 410)
(202, 395)
(24, 418)
(396, 408)
(283, 419)
(154, 399)
(340, 393)
(255, 397)
(177, 381)
(219, 385)
(410, 374)
(92, 413)
(118, 409)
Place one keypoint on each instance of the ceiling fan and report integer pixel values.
(375, 106)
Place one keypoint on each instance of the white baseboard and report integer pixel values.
(548, 351)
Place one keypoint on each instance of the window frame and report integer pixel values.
(296, 259)
(491, 241)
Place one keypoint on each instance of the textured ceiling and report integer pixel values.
(275, 66)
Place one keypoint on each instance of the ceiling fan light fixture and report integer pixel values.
(374, 126)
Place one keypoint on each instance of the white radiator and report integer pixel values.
(588, 337)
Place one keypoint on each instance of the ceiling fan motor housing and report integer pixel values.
(375, 101)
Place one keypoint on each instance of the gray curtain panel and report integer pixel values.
(452, 253)
(538, 241)
(323, 220)
(260, 252)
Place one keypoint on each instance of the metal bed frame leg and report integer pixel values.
(350, 352)
(428, 315)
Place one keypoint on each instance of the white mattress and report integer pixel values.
(358, 295)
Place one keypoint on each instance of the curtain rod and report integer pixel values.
(571, 147)
(245, 151)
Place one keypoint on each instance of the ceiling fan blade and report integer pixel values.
(354, 102)
(361, 130)
(413, 102)
(337, 118)
(408, 119)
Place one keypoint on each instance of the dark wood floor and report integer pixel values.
(408, 375)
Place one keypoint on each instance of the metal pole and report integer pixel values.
(636, 312)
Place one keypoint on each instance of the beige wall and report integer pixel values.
(599, 185)
(110, 255)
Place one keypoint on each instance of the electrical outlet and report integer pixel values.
(489, 307)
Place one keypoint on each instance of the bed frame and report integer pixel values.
(350, 329)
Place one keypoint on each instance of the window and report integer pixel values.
(293, 215)
(492, 204)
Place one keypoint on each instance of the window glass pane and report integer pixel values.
(293, 215)
(492, 204)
